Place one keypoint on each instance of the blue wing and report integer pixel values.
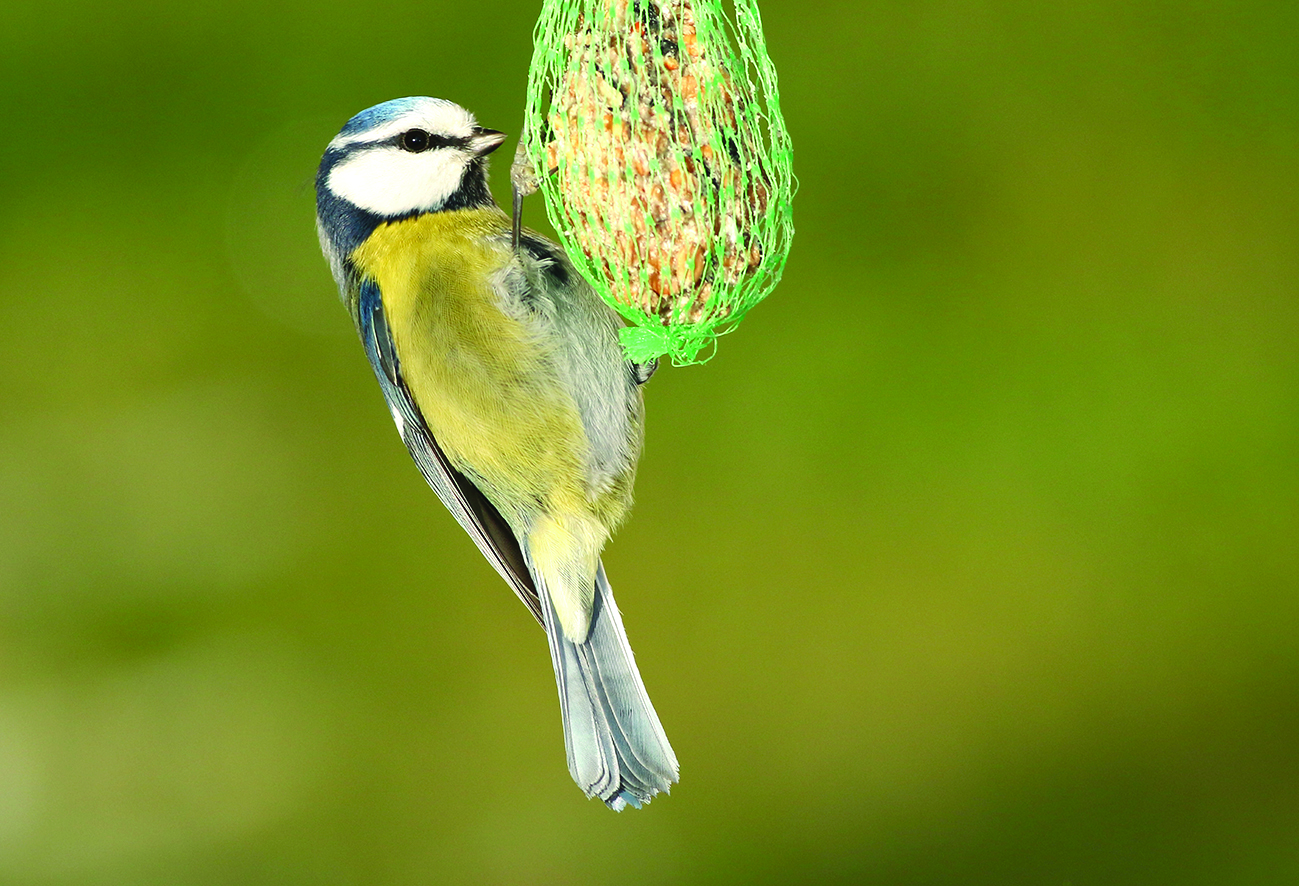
(462, 498)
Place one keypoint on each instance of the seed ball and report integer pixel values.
(662, 197)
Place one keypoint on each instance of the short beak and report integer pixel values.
(484, 141)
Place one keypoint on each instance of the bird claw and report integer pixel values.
(641, 372)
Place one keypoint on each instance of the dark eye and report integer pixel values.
(414, 140)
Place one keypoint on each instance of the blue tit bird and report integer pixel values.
(504, 374)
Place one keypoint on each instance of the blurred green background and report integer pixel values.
(971, 558)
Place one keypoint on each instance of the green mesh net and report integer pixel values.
(653, 129)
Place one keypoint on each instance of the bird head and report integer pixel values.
(399, 159)
(408, 156)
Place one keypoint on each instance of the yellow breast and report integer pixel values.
(481, 377)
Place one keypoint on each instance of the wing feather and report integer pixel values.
(462, 498)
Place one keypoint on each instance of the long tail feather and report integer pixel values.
(617, 750)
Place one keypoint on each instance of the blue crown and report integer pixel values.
(382, 113)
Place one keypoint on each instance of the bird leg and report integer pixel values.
(523, 181)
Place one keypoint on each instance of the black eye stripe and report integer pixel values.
(419, 140)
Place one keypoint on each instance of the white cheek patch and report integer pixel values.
(388, 181)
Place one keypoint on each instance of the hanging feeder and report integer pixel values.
(653, 130)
